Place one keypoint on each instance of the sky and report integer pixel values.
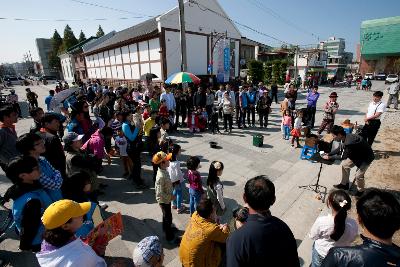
(292, 21)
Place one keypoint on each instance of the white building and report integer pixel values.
(67, 67)
(153, 46)
(311, 62)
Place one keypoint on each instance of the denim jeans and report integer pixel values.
(316, 259)
(195, 197)
(177, 202)
(287, 131)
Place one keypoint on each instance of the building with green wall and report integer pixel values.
(380, 44)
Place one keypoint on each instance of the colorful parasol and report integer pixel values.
(182, 77)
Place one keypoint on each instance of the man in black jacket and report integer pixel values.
(378, 213)
(200, 99)
(264, 240)
(354, 151)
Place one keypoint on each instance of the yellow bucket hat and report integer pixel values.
(61, 211)
(161, 156)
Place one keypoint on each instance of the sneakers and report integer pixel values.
(342, 186)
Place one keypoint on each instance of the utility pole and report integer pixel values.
(183, 35)
(296, 51)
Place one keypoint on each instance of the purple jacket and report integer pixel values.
(312, 99)
(96, 145)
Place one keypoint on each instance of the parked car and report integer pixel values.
(391, 78)
(369, 75)
(12, 80)
(380, 76)
(48, 78)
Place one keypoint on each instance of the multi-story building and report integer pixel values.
(44, 49)
(251, 50)
(311, 62)
(380, 45)
(338, 59)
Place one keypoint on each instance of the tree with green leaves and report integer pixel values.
(100, 32)
(256, 71)
(69, 39)
(56, 45)
(268, 72)
(276, 66)
(82, 37)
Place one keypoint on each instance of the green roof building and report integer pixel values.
(380, 44)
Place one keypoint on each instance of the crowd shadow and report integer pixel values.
(349, 112)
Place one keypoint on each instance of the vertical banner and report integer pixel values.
(220, 67)
(227, 60)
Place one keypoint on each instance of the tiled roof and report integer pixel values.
(141, 29)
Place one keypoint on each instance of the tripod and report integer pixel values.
(316, 187)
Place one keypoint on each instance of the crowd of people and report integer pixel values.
(54, 169)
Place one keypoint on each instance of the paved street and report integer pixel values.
(277, 159)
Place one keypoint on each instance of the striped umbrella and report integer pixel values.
(182, 77)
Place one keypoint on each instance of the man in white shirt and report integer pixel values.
(372, 118)
(169, 99)
(393, 91)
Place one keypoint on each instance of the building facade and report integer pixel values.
(73, 63)
(153, 46)
(44, 49)
(251, 50)
(338, 58)
(311, 62)
(379, 39)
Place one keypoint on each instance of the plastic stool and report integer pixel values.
(307, 152)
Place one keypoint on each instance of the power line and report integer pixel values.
(277, 16)
(111, 8)
(205, 8)
(63, 20)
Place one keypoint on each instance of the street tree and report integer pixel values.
(100, 32)
(82, 37)
(69, 39)
(56, 44)
(268, 72)
(256, 71)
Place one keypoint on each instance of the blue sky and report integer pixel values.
(297, 22)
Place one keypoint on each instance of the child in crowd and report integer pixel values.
(296, 132)
(37, 115)
(29, 201)
(153, 145)
(335, 229)
(149, 253)
(149, 123)
(116, 124)
(122, 144)
(193, 122)
(195, 184)
(163, 111)
(32, 144)
(240, 216)
(203, 119)
(98, 122)
(214, 121)
(165, 125)
(96, 143)
(154, 102)
(78, 188)
(287, 124)
(78, 161)
(215, 189)
(164, 195)
(330, 109)
(60, 247)
(146, 112)
(176, 175)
